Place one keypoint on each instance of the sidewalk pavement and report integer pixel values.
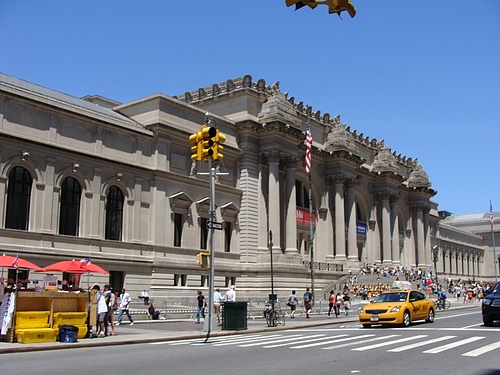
(170, 330)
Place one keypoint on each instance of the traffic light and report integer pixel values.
(334, 6)
(203, 260)
(197, 150)
(301, 3)
(217, 147)
(208, 133)
(337, 6)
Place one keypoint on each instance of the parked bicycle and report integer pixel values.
(273, 314)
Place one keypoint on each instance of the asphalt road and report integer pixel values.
(457, 343)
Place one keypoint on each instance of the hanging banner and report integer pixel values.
(302, 216)
(361, 228)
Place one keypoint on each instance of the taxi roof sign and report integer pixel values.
(401, 285)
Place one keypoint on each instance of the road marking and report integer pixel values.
(421, 343)
(289, 338)
(357, 342)
(301, 341)
(387, 343)
(329, 342)
(243, 340)
(455, 344)
(457, 315)
(484, 349)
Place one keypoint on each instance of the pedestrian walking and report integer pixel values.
(347, 303)
(124, 308)
(292, 302)
(218, 299)
(308, 301)
(331, 302)
(201, 306)
(339, 302)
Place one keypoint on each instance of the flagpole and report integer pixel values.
(311, 235)
(308, 170)
(495, 261)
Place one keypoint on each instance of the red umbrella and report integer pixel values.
(74, 266)
(9, 261)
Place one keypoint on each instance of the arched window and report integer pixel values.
(69, 219)
(18, 199)
(114, 214)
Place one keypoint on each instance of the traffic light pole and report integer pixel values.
(208, 324)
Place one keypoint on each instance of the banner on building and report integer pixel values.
(302, 216)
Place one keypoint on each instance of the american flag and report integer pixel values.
(309, 142)
(491, 217)
(84, 261)
(15, 262)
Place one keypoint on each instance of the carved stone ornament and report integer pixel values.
(385, 161)
(321, 170)
(418, 177)
(340, 138)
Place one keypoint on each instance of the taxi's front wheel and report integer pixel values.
(406, 319)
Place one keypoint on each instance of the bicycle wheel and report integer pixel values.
(271, 318)
(280, 318)
(447, 304)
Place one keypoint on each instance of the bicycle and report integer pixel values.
(274, 315)
(442, 304)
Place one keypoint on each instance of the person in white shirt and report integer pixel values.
(124, 303)
(102, 310)
(145, 296)
(231, 295)
(217, 301)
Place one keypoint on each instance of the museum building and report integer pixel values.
(91, 177)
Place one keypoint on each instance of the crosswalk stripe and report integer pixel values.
(303, 340)
(484, 349)
(387, 343)
(289, 338)
(334, 341)
(357, 342)
(452, 345)
(243, 340)
(421, 343)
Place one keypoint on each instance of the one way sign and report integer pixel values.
(214, 225)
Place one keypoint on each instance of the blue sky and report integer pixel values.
(422, 75)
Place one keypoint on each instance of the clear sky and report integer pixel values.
(422, 75)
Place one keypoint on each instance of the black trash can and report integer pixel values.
(68, 333)
(234, 316)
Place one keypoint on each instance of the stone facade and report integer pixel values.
(118, 181)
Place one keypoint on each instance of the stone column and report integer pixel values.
(453, 260)
(339, 218)
(274, 200)
(352, 251)
(420, 237)
(291, 214)
(427, 231)
(386, 228)
(395, 230)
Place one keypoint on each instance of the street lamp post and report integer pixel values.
(435, 255)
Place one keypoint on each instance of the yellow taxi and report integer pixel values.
(397, 307)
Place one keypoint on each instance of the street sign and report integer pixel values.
(214, 225)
